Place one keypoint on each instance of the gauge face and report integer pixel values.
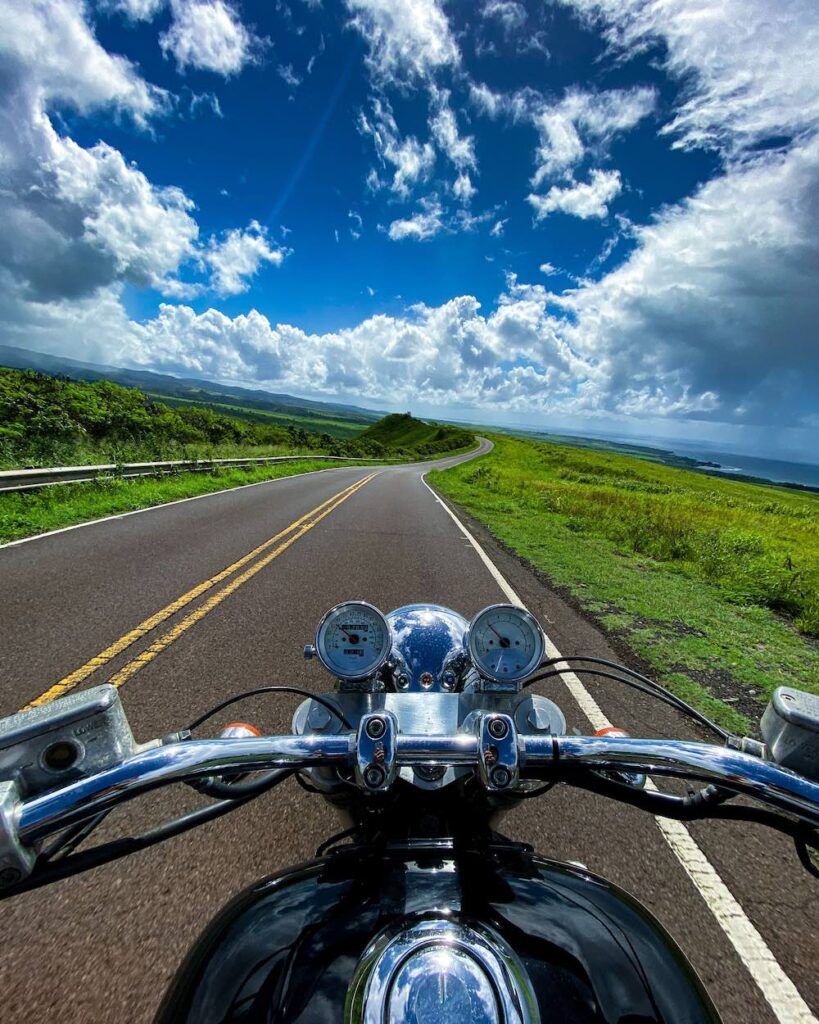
(505, 643)
(353, 640)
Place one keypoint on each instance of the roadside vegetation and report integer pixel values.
(53, 421)
(25, 513)
(714, 583)
(402, 434)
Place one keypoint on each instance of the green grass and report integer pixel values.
(713, 583)
(315, 423)
(24, 514)
(402, 432)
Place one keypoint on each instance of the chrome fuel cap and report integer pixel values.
(440, 971)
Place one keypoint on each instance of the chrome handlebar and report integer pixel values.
(377, 751)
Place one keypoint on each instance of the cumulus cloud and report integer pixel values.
(73, 220)
(209, 35)
(413, 161)
(408, 40)
(582, 199)
(237, 257)
(51, 55)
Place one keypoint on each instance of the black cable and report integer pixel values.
(77, 863)
(325, 846)
(681, 704)
(223, 789)
(650, 688)
(305, 785)
(73, 837)
(271, 689)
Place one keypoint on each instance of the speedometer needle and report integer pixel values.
(504, 642)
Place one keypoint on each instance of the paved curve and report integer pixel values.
(103, 946)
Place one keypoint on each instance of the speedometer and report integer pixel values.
(353, 640)
(505, 643)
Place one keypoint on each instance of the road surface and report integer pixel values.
(188, 603)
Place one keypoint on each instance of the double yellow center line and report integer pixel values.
(273, 547)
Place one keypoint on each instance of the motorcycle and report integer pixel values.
(420, 910)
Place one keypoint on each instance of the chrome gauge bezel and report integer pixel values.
(321, 636)
(529, 622)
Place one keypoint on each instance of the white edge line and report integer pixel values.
(167, 504)
(779, 991)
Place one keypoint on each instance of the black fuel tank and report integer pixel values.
(284, 951)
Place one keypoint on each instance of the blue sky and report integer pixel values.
(578, 214)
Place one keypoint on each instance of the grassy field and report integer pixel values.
(713, 583)
(26, 513)
(338, 428)
(401, 432)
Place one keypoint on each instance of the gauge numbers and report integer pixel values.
(505, 643)
(353, 640)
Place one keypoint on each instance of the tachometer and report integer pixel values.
(505, 643)
(353, 640)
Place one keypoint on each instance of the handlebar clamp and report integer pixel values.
(375, 764)
(498, 757)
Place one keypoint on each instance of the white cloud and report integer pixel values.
(510, 13)
(238, 256)
(358, 224)
(582, 120)
(424, 224)
(408, 40)
(581, 124)
(717, 300)
(288, 75)
(463, 188)
(135, 10)
(50, 54)
(75, 220)
(548, 269)
(580, 199)
(749, 68)
(209, 35)
(498, 227)
(460, 149)
(412, 160)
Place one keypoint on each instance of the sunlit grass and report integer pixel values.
(25, 513)
(711, 581)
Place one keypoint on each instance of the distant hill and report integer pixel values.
(188, 389)
(401, 431)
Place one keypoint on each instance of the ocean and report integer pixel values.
(775, 470)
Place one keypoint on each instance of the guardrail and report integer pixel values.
(31, 479)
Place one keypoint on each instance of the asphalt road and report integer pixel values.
(102, 947)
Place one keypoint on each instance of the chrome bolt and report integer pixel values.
(374, 776)
(501, 777)
(376, 727)
(498, 728)
(538, 718)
